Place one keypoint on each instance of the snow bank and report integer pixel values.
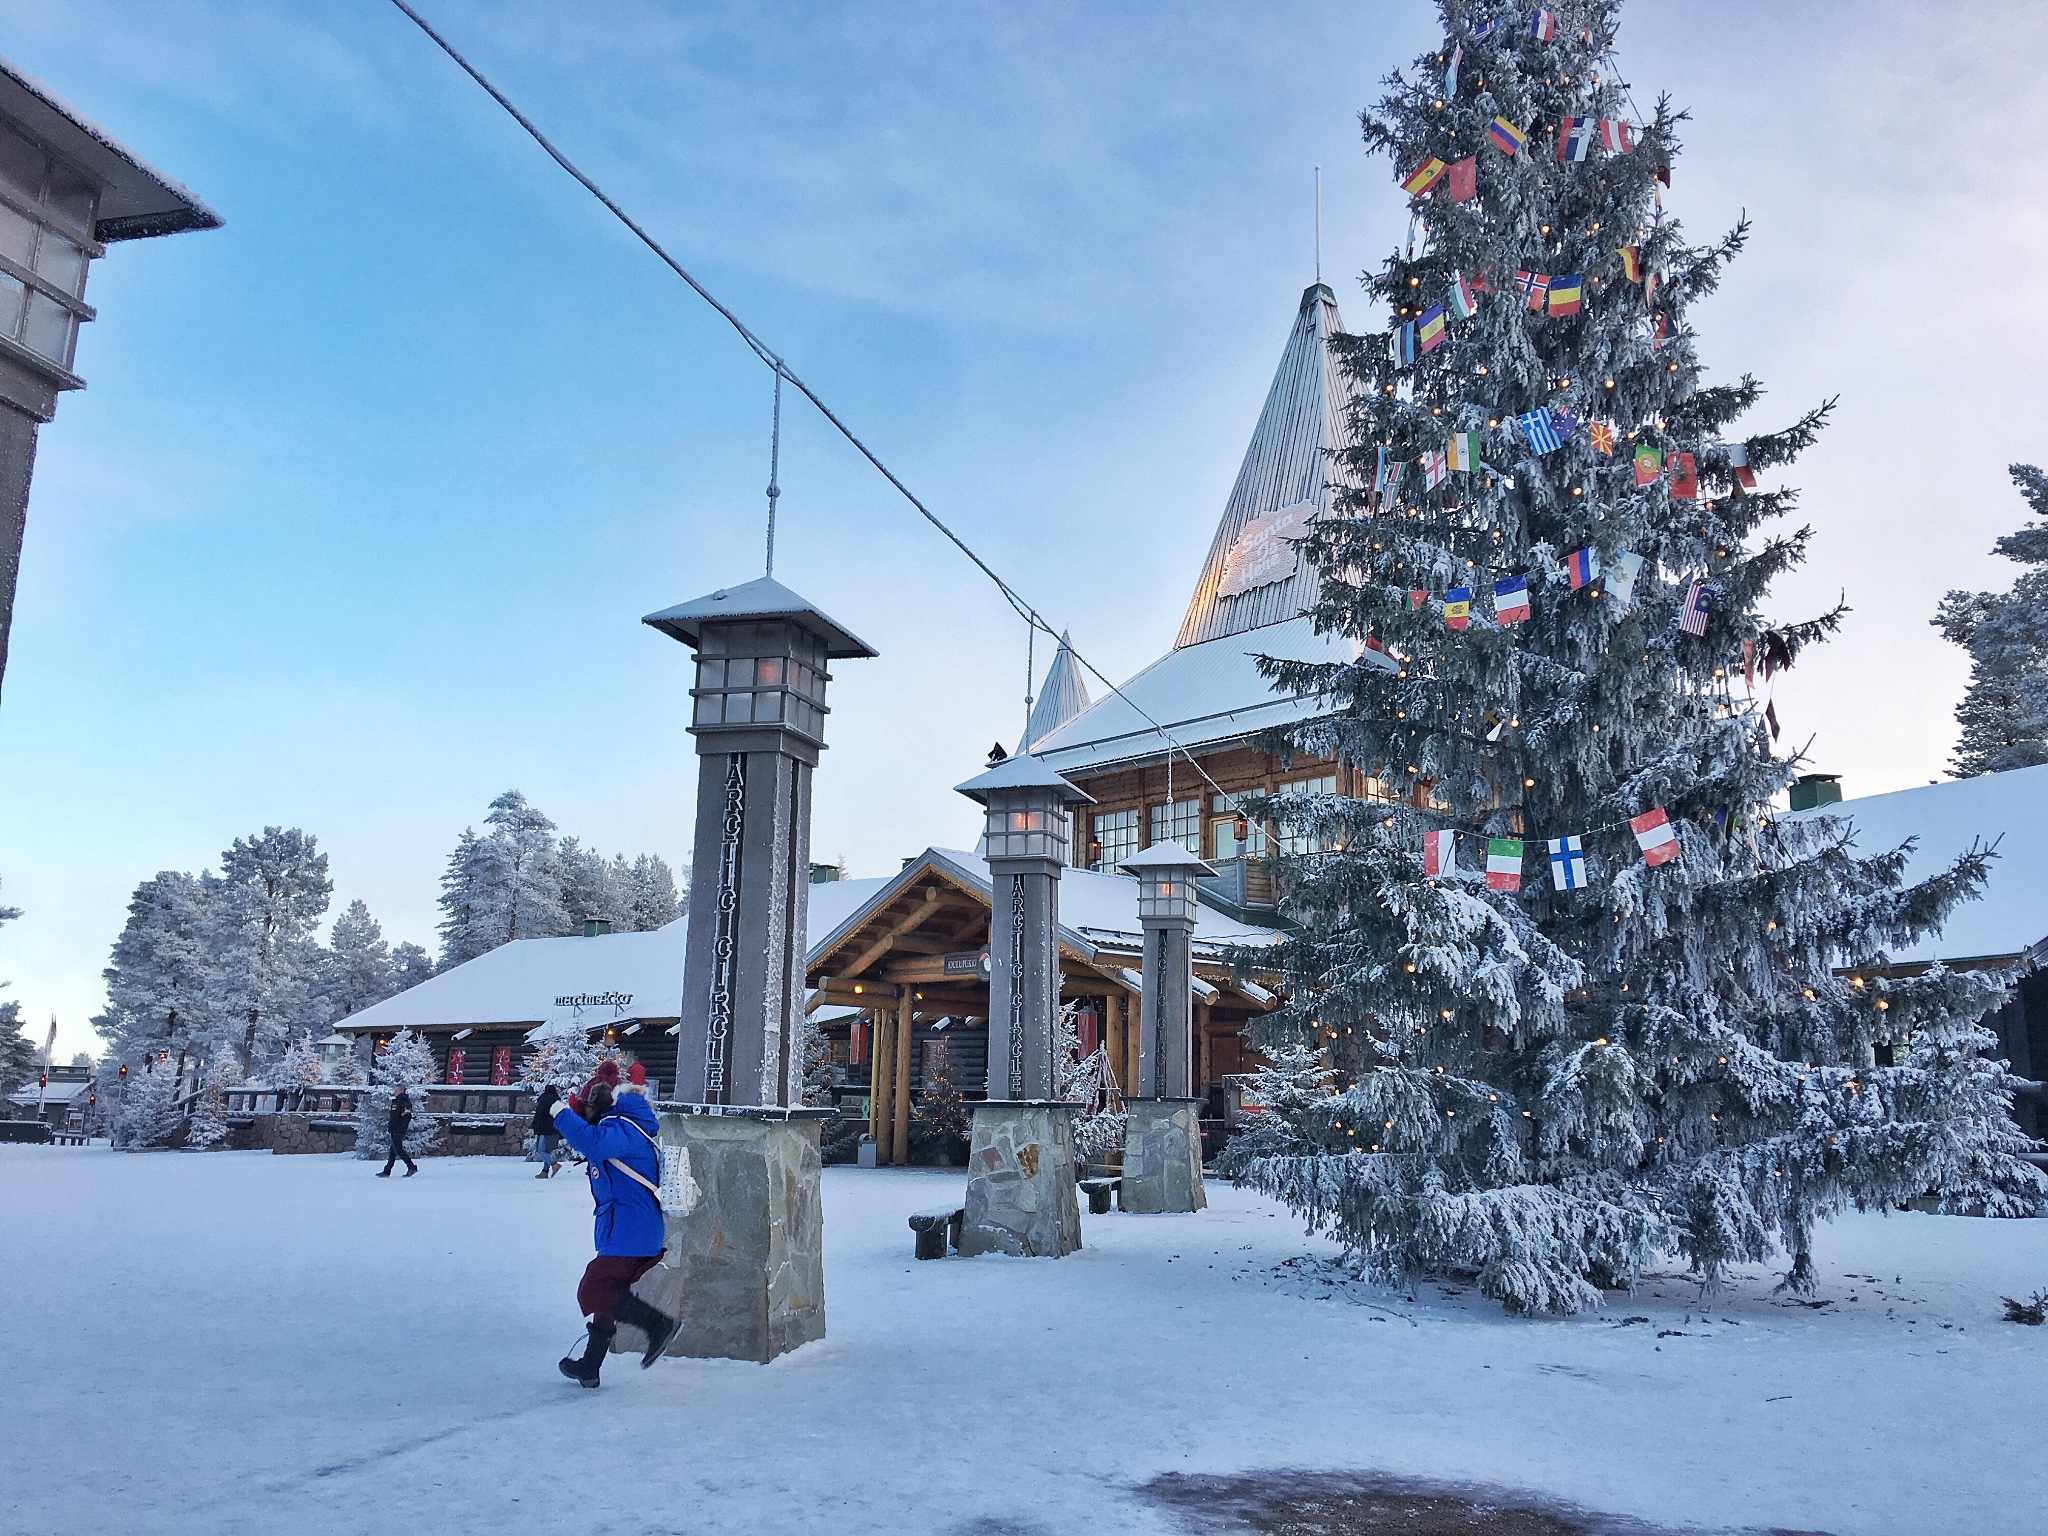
(240, 1342)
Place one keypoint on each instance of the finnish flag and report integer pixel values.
(1567, 863)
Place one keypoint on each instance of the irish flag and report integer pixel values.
(1504, 863)
(1656, 836)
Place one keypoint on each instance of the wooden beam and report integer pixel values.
(879, 945)
(1133, 1038)
(904, 1017)
(880, 1080)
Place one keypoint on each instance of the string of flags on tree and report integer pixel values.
(1656, 840)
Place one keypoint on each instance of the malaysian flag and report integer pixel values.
(1699, 602)
(1541, 431)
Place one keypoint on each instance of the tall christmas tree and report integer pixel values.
(1622, 1010)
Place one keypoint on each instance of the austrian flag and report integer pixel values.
(1654, 834)
(1614, 135)
(1504, 863)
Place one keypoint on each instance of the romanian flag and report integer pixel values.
(1615, 136)
(1564, 295)
(1507, 138)
(1425, 176)
(1649, 464)
(1463, 184)
(1631, 263)
(1458, 607)
(1464, 298)
(1430, 328)
(1685, 479)
(1503, 863)
(1582, 566)
(1462, 451)
(1511, 599)
(1602, 436)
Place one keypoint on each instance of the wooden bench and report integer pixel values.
(937, 1226)
(1098, 1192)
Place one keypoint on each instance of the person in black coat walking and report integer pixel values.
(399, 1123)
(547, 1142)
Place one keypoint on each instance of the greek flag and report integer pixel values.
(1541, 432)
(1568, 863)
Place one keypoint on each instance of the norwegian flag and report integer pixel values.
(1535, 287)
(1439, 853)
(1614, 135)
(1699, 602)
(1655, 836)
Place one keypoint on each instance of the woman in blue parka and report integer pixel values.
(617, 1137)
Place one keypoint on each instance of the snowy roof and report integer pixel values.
(1204, 694)
(138, 201)
(1097, 910)
(1167, 854)
(56, 1093)
(762, 598)
(1251, 579)
(1063, 695)
(2010, 809)
(1023, 771)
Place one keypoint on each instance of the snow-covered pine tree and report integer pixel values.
(357, 968)
(1552, 1088)
(302, 1067)
(652, 899)
(405, 1059)
(464, 929)
(209, 1127)
(264, 966)
(591, 887)
(410, 965)
(156, 981)
(2004, 716)
(148, 1114)
(563, 1055)
(17, 1051)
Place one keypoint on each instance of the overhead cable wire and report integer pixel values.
(782, 370)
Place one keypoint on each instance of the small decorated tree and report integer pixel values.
(940, 1121)
(405, 1060)
(562, 1056)
(301, 1068)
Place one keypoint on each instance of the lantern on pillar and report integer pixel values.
(1026, 847)
(1166, 910)
(758, 713)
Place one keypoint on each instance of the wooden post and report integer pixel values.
(881, 1083)
(901, 1139)
(1112, 1037)
(1133, 1043)
(1202, 1035)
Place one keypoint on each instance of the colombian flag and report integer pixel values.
(1564, 295)
(1507, 138)
(1425, 176)
(1458, 607)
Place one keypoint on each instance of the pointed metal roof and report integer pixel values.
(1253, 579)
(1063, 695)
(1022, 772)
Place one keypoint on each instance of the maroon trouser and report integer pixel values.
(606, 1280)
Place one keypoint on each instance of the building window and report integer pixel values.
(1224, 843)
(1185, 826)
(1116, 838)
(1298, 842)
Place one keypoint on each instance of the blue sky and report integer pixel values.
(354, 527)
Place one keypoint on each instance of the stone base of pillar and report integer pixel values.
(1020, 1181)
(1162, 1170)
(745, 1264)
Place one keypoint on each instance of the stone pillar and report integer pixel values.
(1020, 1186)
(1162, 1167)
(758, 715)
(1026, 843)
(744, 1268)
(1162, 1170)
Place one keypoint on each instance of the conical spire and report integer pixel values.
(1253, 578)
(1063, 696)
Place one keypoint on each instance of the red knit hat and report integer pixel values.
(607, 1073)
(637, 1075)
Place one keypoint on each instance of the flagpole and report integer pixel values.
(43, 1077)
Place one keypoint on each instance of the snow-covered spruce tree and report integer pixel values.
(208, 1127)
(17, 1051)
(1288, 1088)
(407, 1059)
(1552, 1088)
(2004, 716)
(264, 966)
(563, 1056)
(148, 1115)
(156, 981)
(302, 1068)
(357, 968)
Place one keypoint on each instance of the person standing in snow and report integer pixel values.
(545, 1140)
(616, 1135)
(396, 1127)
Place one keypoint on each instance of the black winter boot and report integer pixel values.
(585, 1369)
(659, 1327)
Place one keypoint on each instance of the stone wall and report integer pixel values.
(461, 1135)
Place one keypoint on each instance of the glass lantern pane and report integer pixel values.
(739, 709)
(710, 673)
(17, 235)
(11, 295)
(72, 197)
(22, 164)
(768, 706)
(768, 672)
(61, 262)
(708, 710)
(48, 329)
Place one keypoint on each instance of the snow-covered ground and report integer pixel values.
(240, 1342)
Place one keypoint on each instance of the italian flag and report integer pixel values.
(1656, 835)
(1504, 863)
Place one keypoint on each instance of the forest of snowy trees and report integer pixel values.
(227, 967)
